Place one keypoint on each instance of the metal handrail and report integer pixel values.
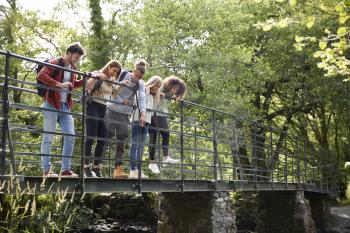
(220, 145)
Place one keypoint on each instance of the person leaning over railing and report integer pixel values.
(118, 112)
(172, 87)
(61, 101)
(139, 132)
(100, 86)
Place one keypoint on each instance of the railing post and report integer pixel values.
(83, 139)
(285, 161)
(195, 150)
(240, 175)
(272, 163)
(5, 113)
(254, 147)
(319, 167)
(139, 161)
(313, 174)
(233, 150)
(182, 144)
(305, 163)
(215, 157)
(298, 165)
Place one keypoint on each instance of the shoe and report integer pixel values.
(68, 173)
(143, 176)
(88, 172)
(49, 173)
(97, 171)
(133, 174)
(154, 168)
(168, 159)
(118, 173)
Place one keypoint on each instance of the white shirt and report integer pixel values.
(66, 78)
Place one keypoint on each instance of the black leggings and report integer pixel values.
(158, 124)
(95, 128)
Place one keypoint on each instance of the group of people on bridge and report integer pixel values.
(116, 97)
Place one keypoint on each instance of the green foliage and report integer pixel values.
(333, 42)
(26, 211)
(98, 43)
(259, 59)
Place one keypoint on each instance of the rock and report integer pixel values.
(196, 213)
(105, 209)
(283, 212)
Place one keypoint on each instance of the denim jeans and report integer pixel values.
(138, 139)
(67, 126)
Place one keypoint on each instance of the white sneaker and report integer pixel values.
(50, 173)
(154, 168)
(133, 174)
(168, 159)
(143, 176)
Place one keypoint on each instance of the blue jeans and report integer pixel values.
(67, 126)
(138, 139)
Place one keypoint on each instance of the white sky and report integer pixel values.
(36, 5)
(45, 9)
(40, 5)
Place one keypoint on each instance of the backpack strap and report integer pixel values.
(123, 74)
(97, 86)
(56, 71)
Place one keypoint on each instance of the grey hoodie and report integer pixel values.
(128, 93)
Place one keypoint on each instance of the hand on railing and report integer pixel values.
(65, 85)
(143, 119)
(102, 76)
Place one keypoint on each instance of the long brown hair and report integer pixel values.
(173, 81)
(111, 64)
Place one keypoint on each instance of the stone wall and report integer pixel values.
(321, 213)
(199, 212)
(284, 212)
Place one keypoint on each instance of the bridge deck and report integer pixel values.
(41, 185)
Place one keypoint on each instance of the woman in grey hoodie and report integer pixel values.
(119, 111)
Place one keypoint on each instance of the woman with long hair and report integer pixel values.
(100, 88)
(172, 88)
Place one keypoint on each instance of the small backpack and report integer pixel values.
(123, 74)
(96, 87)
(42, 90)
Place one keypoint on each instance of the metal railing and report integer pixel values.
(211, 145)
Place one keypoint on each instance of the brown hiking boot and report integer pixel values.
(118, 173)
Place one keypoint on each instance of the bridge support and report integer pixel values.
(284, 212)
(321, 212)
(197, 212)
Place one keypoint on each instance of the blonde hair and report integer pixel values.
(154, 80)
(112, 64)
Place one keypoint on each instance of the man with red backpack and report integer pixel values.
(58, 104)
